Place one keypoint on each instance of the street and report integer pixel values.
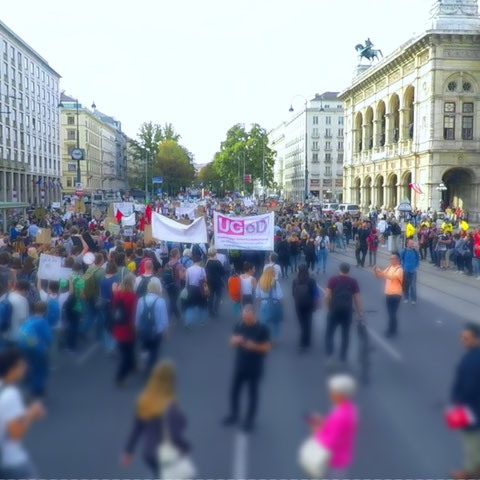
(401, 432)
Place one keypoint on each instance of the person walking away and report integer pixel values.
(92, 278)
(248, 284)
(151, 323)
(283, 252)
(372, 242)
(142, 281)
(466, 393)
(196, 302)
(410, 261)
(108, 286)
(310, 253)
(273, 262)
(269, 294)
(123, 317)
(74, 306)
(34, 339)
(347, 228)
(341, 296)
(322, 243)
(251, 340)
(17, 312)
(393, 276)
(306, 296)
(336, 432)
(442, 246)
(423, 242)
(294, 250)
(363, 234)
(476, 252)
(173, 277)
(396, 231)
(15, 418)
(158, 418)
(215, 272)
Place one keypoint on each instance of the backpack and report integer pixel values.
(375, 241)
(28, 338)
(342, 297)
(197, 251)
(323, 243)
(168, 277)
(235, 288)
(6, 311)
(303, 295)
(91, 287)
(119, 314)
(146, 329)
(53, 312)
(143, 285)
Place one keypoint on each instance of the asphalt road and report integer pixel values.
(401, 432)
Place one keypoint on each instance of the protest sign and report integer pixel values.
(128, 221)
(125, 207)
(55, 204)
(44, 236)
(164, 228)
(114, 229)
(50, 268)
(244, 233)
(188, 211)
(147, 234)
(128, 232)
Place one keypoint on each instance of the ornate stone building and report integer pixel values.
(414, 118)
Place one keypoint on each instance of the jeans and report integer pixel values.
(173, 294)
(90, 316)
(372, 258)
(305, 321)
(22, 470)
(284, 270)
(37, 372)
(252, 381)
(410, 286)
(393, 302)
(102, 332)
(214, 298)
(294, 262)
(322, 255)
(310, 261)
(193, 314)
(477, 266)
(152, 348)
(73, 324)
(270, 314)
(334, 320)
(127, 360)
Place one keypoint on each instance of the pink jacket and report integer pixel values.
(337, 434)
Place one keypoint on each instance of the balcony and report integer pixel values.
(315, 149)
(327, 174)
(328, 135)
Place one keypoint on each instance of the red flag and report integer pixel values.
(148, 213)
(119, 216)
(142, 223)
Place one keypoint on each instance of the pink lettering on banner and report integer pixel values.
(229, 226)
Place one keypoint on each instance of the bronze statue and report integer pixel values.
(368, 51)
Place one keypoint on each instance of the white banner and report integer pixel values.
(164, 228)
(50, 268)
(188, 211)
(125, 207)
(128, 221)
(244, 233)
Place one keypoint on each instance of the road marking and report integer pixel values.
(240, 456)
(381, 342)
(86, 355)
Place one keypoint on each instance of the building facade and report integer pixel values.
(414, 118)
(30, 167)
(322, 124)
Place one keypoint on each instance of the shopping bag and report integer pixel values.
(313, 458)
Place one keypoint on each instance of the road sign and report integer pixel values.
(79, 189)
(247, 178)
(157, 180)
(77, 154)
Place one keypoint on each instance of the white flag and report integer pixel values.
(164, 228)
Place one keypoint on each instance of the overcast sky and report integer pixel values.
(205, 65)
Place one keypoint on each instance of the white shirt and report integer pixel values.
(20, 312)
(11, 408)
(325, 239)
(339, 226)
(195, 275)
(246, 285)
(278, 270)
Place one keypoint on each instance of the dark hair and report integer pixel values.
(247, 266)
(54, 286)
(6, 276)
(28, 266)
(303, 275)
(9, 359)
(139, 252)
(129, 252)
(23, 285)
(344, 268)
(69, 262)
(40, 308)
(473, 328)
(395, 254)
(98, 259)
(120, 259)
(77, 267)
(4, 258)
(111, 268)
(197, 258)
(274, 257)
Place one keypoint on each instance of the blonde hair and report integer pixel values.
(267, 280)
(159, 392)
(128, 283)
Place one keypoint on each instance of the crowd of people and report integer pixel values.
(126, 293)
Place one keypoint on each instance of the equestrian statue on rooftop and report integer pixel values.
(368, 51)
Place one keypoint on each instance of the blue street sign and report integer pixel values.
(159, 191)
(157, 180)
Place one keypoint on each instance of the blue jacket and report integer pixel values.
(466, 386)
(410, 260)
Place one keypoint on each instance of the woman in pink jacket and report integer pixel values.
(337, 431)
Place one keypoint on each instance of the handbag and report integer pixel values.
(459, 416)
(313, 458)
(173, 464)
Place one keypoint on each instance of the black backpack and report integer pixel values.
(303, 295)
(143, 285)
(119, 314)
(146, 329)
(342, 297)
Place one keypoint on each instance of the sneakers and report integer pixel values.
(406, 300)
(414, 302)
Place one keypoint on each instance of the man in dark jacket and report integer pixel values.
(466, 392)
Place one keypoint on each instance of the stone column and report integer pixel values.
(376, 133)
(403, 124)
(365, 137)
(388, 129)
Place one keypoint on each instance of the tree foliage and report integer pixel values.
(243, 151)
(174, 163)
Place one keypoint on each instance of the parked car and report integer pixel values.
(350, 208)
(329, 208)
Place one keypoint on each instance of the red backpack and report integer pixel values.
(235, 288)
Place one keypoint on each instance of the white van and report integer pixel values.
(350, 208)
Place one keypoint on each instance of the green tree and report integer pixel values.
(244, 151)
(174, 163)
(209, 177)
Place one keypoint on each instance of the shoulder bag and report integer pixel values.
(313, 458)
